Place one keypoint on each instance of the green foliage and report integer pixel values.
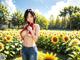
(51, 24)
(75, 53)
(12, 49)
(69, 18)
(42, 21)
(4, 14)
(17, 19)
(70, 12)
(75, 20)
(64, 45)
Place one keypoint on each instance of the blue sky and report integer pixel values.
(44, 7)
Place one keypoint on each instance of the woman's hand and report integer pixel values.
(29, 28)
(31, 31)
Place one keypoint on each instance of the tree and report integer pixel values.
(17, 19)
(57, 22)
(75, 20)
(3, 14)
(67, 12)
(42, 21)
(51, 22)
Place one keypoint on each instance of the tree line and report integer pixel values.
(69, 18)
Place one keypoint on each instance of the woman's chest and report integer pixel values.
(26, 33)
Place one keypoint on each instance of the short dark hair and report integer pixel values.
(26, 14)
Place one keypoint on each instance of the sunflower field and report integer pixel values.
(65, 43)
(10, 45)
(52, 45)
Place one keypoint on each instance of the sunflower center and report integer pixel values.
(0, 47)
(55, 39)
(48, 59)
(8, 38)
(66, 38)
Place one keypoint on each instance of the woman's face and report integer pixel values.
(30, 18)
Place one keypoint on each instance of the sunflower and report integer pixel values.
(50, 56)
(54, 39)
(65, 39)
(0, 34)
(75, 42)
(41, 55)
(1, 47)
(61, 35)
(8, 38)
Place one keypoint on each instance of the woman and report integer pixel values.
(29, 35)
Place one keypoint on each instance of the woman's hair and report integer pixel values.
(26, 15)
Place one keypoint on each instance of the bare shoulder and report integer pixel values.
(37, 25)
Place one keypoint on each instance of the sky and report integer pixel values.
(44, 7)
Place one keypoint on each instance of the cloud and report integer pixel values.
(74, 2)
(10, 5)
(55, 9)
(37, 11)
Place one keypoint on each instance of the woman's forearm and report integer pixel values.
(34, 37)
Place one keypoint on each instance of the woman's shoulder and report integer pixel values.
(37, 25)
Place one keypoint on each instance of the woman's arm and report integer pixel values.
(21, 36)
(37, 33)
